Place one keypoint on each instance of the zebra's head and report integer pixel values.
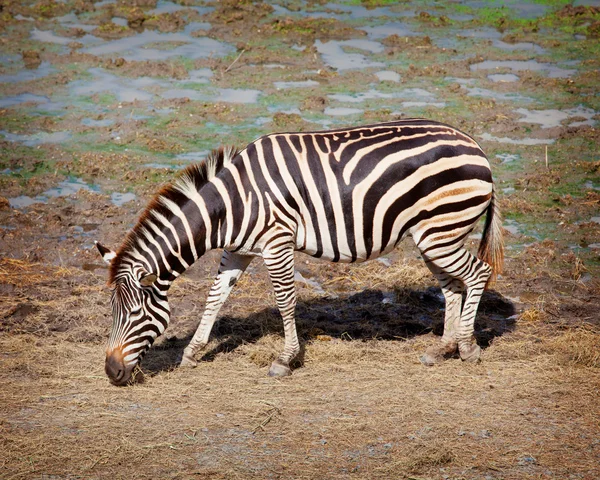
(140, 313)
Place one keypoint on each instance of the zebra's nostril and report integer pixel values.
(114, 368)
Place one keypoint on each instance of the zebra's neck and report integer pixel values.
(181, 223)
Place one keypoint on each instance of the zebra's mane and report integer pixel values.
(193, 177)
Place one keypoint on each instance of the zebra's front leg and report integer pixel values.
(231, 268)
(280, 264)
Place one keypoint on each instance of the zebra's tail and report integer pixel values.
(491, 248)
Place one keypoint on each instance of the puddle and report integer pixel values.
(161, 166)
(520, 65)
(67, 188)
(494, 36)
(119, 199)
(500, 96)
(202, 75)
(191, 157)
(519, 46)
(22, 98)
(361, 97)
(503, 77)
(555, 118)
(24, 19)
(122, 22)
(23, 201)
(37, 138)
(50, 37)
(300, 84)
(590, 186)
(371, 94)
(512, 227)
(237, 95)
(89, 122)
(336, 10)
(591, 3)
(461, 81)
(335, 56)
(27, 75)
(137, 48)
(415, 96)
(260, 121)
(7, 59)
(508, 157)
(388, 76)
(284, 109)
(72, 21)
(423, 104)
(517, 141)
(124, 89)
(63, 189)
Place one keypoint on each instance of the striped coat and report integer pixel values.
(343, 195)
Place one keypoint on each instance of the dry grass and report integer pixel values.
(23, 273)
(357, 406)
(579, 347)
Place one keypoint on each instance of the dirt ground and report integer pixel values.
(90, 128)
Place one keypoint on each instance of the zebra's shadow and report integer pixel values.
(371, 314)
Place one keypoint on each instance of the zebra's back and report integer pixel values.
(355, 193)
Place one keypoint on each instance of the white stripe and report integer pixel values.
(177, 212)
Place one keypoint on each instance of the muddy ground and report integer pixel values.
(102, 102)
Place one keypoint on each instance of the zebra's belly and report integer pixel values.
(344, 255)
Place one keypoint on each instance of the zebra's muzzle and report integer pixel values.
(115, 369)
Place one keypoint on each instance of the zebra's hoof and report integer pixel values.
(278, 369)
(437, 353)
(429, 360)
(188, 361)
(471, 354)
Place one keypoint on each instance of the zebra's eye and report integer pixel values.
(135, 312)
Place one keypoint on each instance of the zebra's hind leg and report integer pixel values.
(475, 281)
(230, 269)
(473, 273)
(452, 290)
(279, 260)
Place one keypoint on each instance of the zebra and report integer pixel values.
(345, 195)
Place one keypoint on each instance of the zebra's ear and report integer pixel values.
(107, 253)
(148, 279)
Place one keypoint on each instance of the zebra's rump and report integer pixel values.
(358, 191)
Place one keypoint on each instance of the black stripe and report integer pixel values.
(292, 165)
(421, 190)
(315, 166)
